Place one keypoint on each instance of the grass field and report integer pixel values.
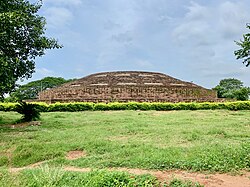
(214, 141)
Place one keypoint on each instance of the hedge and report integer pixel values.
(84, 106)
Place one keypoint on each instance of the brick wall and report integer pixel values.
(131, 93)
(128, 86)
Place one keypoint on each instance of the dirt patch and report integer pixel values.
(208, 180)
(24, 124)
(35, 165)
(211, 180)
(73, 155)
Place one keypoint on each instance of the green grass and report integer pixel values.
(190, 140)
(46, 176)
(57, 177)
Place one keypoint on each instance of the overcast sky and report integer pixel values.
(189, 40)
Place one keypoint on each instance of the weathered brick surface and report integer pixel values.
(127, 86)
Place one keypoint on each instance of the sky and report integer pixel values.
(189, 40)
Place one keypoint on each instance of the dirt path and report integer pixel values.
(208, 180)
(31, 166)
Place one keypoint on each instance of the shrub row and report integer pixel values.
(81, 106)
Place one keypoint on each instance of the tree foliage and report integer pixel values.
(31, 89)
(232, 89)
(244, 52)
(22, 39)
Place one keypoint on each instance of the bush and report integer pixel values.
(85, 106)
(70, 107)
(7, 107)
(28, 110)
(41, 107)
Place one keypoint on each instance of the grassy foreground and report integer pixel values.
(216, 140)
(197, 140)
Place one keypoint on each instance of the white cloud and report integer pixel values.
(205, 36)
(193, 33)
(122, 37)
(58, 17)
(195, 28)
(110, 25)
(144, 64)
(63, 2)
(176, 37)
(119, 21)
(59, 13)
(209, 24)
(232, 18)
(44, 72)
(209, 32)
(197, 12)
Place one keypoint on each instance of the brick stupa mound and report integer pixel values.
(125, 86)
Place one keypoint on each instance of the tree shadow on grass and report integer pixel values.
(20, 127)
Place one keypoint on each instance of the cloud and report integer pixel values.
(175, 37)
(119, 21)
(204, 25)
(44, 72)
(63, 2)
(122, 37)
(197, 12)
(58, 17)
(59, 13)
(162, 18)
(205, 38)
(110, 25)
(212, 74)
(232, 18)
(196, 27)
(144, 64)
(208, 32)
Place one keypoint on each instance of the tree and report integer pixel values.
(242, 94)
(226, 86)
(232, 89)
(244, 52)
(22, 39)
(31, 90)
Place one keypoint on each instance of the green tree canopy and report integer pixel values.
(22, 39)
(232, 89)
(244, 51)
(31, 89)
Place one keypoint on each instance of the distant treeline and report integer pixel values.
(31, 89)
